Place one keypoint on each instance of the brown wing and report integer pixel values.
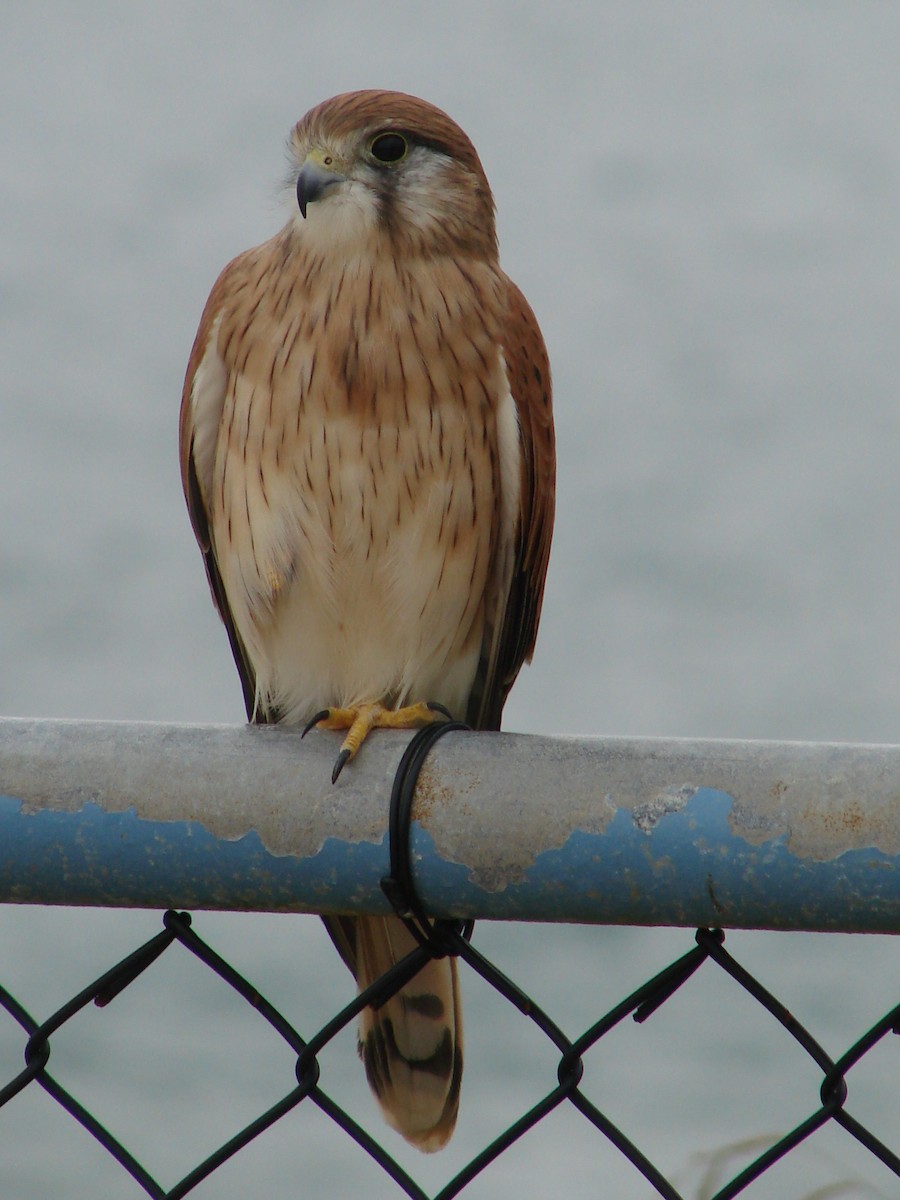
(196, 478)
(528, 370)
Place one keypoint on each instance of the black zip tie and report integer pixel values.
(399, 886)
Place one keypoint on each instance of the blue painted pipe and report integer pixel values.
(607, 830)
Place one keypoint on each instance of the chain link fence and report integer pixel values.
(570, 1061)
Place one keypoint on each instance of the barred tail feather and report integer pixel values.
(412, 1045)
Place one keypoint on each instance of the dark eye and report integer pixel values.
(389, 147)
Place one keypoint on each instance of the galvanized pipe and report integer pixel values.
(609, 830)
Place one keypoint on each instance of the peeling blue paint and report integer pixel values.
(117, 858)
(688, 868)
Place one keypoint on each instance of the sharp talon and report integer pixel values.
(342, 759)
(313, 722)
(360, 719)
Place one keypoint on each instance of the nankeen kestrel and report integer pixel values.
(368, 458)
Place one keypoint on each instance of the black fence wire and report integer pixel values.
(708, 953)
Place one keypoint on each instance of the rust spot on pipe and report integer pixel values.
(850, 819)
(711, 892)
(428, 793)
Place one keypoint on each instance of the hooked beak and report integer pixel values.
(314, 180)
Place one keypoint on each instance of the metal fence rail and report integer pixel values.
(757, 835)
(708, 833)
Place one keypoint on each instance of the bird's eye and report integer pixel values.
(388, 147)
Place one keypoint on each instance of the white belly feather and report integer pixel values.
(358, 559)
(377, 606)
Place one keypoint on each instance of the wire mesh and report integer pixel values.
(828, 1105)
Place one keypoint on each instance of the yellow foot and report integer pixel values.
(361, 720)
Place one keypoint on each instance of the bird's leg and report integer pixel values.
(360, 720)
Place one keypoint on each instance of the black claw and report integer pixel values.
(439, 708)
(342, 759)
(313, 722)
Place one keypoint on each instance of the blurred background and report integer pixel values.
(702, 203)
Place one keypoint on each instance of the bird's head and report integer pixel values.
(385, 162)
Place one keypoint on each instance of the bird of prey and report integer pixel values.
(367, 453)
